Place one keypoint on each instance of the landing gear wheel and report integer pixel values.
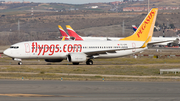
(89, 62)
(75, 63)
(19, 63)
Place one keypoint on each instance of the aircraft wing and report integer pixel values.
(89, 54)
(156, 42)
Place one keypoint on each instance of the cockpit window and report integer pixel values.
(15, 47)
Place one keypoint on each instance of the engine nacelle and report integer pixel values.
(53, 60)
(76, 57)
(16, 59)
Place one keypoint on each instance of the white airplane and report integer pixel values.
(155, 40)
(81, 51)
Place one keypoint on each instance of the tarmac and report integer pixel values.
(102, 75)
(51, 90)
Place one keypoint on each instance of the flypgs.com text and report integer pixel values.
(55, 48)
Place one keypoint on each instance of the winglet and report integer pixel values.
(72, 33)
(145, 30)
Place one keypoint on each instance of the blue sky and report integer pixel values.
(67, 1)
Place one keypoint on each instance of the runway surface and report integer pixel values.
(15, 90)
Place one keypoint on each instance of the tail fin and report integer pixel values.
(145, 30)
(63, 38)
(63, 33)
(72, 33)
(134, 27)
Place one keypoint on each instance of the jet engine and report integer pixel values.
(76, 57)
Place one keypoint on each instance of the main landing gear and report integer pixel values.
(89, 62)
(19, 63)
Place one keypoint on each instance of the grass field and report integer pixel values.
(128, 66)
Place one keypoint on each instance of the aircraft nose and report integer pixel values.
(7, 52)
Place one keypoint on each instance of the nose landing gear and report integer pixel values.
(89, 62)
(19, 60)
(19, 63)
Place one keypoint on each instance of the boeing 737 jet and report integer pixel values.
(81, 51)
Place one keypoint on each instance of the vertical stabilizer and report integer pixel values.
(63, 33)
(145, 30)
(134, 27)
(72, 33)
